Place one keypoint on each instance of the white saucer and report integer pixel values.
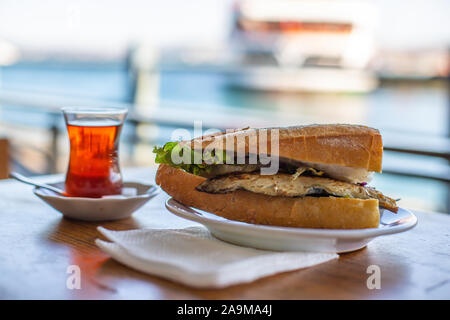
(295, 239)
(98, 209)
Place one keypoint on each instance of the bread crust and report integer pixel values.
(348, 145)
(307, 212)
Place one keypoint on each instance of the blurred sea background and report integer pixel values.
(174, 62)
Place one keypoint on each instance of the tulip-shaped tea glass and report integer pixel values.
(94, 151)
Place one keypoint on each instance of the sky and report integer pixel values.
(109, 26)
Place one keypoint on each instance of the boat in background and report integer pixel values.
(289, 45)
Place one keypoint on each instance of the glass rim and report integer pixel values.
(94, 110)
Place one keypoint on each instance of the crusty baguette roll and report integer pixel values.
(307, 212)
(337, 144)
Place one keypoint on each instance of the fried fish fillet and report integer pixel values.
(294, 186)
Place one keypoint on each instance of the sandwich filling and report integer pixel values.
(339, 172)
(294, 179)
(286, 185)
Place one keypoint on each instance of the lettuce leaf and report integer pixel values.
(164, 156)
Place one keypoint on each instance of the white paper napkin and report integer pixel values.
(195, 258)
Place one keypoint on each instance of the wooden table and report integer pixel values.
(4, 157)
(37, 246)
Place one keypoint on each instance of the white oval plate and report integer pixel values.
(98, 209)
(294, 239)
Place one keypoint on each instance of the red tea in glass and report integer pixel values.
(94, 163)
